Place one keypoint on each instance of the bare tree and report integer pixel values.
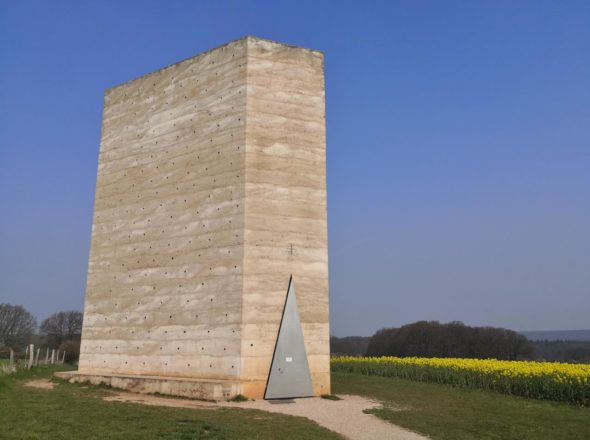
(62, 326)
(17, 325)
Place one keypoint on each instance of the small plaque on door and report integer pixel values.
(288, 359)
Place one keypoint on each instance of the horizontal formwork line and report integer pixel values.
(118, 89)
(182, 171)
(172, 145)
(176, 104)
(150, 139)
(192, 249)
(152, 145)
(196, 120)
(305, 67)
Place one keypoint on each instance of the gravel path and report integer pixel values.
(345, 416)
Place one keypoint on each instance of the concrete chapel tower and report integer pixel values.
(211, 194)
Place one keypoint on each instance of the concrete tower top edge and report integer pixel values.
(244, 38)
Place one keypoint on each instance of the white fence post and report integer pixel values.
(31, 356)
(47, 356)
(52, 356)
(11, 357)
(37, 357)
(63, 358)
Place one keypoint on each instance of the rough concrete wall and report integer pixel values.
(286, 219)
(165, 272)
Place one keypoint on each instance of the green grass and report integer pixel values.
(447, 413)
(72, 411)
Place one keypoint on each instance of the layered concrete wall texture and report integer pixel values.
(211, 192)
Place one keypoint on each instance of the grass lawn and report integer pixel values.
(445, 412)
(72, 411)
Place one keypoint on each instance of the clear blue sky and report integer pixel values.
(458, 147)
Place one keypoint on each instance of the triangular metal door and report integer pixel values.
(289, 375)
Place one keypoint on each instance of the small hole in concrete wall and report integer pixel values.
(188, 365)
(160, 348)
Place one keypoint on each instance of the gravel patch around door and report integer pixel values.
(345, 416)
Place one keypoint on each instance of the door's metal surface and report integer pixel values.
(289, 375)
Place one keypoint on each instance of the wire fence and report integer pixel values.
(12, 361)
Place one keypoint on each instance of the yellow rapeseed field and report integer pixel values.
(540, 380)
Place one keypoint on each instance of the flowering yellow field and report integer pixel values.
(539, 380)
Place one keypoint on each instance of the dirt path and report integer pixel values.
(345, 416)
(44, 384)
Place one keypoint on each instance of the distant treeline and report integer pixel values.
(455, 339)
(563, 351)
(350, 345)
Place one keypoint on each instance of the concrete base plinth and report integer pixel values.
(205, 389)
